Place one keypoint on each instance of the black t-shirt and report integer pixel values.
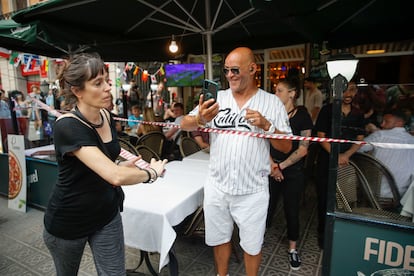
(299, 122)
(82, 202)
(352, 125)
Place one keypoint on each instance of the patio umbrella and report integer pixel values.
(23, 33)
(26, 38)
(140, 30)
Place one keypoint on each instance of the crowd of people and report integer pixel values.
(246, 177)
(27, 111)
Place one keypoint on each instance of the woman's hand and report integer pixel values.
(158, 165)
(275, 172)
(129, 163)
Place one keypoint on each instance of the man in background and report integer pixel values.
(173, 135)
(399, 161)
(313, 98)
(351, 128)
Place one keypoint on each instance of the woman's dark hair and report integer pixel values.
(14, 93)
(76, 71)
(292, 84)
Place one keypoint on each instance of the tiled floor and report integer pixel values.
(22, 251)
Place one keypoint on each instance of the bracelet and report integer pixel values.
(117, 162)
(150, 180)
(155, 173)
(278, 166)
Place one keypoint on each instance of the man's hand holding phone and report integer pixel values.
(207, 107)
(209, 90)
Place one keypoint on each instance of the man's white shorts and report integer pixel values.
(247, 211)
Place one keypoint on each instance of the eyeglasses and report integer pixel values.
(234, 71)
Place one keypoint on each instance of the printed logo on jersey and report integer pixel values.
(226, 118)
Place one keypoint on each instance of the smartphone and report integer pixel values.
(209, 90)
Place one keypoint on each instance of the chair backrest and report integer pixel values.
(353, 190)
(354, 195)
(154, 140)
(147, 153)
(188, 146)
(378, 174)
(127, 146)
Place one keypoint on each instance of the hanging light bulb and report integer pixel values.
(173, 45)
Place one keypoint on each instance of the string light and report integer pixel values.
(173, 45)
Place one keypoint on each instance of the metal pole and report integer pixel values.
(209, 65)
(125, 103)
(338, 87)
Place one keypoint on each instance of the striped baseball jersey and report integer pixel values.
(239, 164)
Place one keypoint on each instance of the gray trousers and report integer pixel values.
(107, 246)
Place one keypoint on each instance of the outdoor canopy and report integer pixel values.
(25, 38)
(140, 30)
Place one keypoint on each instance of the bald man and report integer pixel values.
(236, 190)
(400, 161)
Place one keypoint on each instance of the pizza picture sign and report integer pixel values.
(17, 173)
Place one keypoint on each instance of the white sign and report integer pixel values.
(17, 173)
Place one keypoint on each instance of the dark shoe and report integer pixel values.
(294, 259)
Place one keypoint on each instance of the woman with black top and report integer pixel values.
(85, 204)
(287, 173)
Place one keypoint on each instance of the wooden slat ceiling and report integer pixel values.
(297, 52)
(402, 47)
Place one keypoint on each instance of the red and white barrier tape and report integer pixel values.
(124, 153)
(256, 134)
(278, 136)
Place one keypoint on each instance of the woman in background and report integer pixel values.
(287, 172)
(22, 108)
(149, 116)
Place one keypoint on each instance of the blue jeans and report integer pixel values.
(107, 246)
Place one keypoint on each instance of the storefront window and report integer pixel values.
(281, 70)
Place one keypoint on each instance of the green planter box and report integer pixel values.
(41, 178)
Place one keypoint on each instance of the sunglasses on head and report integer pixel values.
(234, 71)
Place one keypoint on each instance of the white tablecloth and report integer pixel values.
(31, 151)
(151, 210)
(407, 201)
(201, 155)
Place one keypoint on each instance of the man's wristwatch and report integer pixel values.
(271, 129)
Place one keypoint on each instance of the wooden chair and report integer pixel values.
(147, 153)
(188, 146)
(377, 174)
(154, 140)
(354, 195)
